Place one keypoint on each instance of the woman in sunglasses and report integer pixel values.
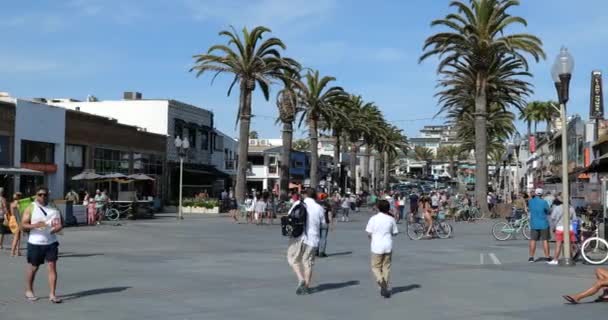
(43, 223)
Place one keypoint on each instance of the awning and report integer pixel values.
(21, 171)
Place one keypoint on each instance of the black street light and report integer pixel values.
(517, 141)
(561, 74)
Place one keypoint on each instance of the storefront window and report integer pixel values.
(149, 164)
(37, 152)
(204, 140)
(74, 156)
(110, 161)
(4, 156)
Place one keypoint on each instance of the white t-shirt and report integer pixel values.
(314, 221)
(260, 206)
(382, 227)
(435, 201)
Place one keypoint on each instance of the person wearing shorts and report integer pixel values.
(557, 221)
(301, 251)
(43, 222)
(539, 225)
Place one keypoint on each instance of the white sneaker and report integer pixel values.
(552, 262)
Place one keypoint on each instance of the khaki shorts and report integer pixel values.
(298, 252)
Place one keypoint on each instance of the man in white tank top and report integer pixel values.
(43, 222)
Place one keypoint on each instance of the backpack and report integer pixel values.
(293, 225)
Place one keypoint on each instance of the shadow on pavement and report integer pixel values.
(345, 253)
(78, 255)
(93, 292)
(411, 287)
(334, 286)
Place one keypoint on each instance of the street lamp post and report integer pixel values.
(561, 74)
(182, 149)
(517, 142)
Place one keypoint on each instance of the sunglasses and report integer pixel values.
(43, 194)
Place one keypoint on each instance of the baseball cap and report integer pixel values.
(539, 192)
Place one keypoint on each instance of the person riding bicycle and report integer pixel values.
(427, 211)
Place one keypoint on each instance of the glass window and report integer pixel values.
(256, 160)
(110, 161)
(192, 137)
(204, 140)
(37, 152)
(178, 129)
(4, 157)
(74, 156)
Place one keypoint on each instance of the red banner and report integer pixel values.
(532, 144)
(44, 167)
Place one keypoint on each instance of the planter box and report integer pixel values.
(201, 210)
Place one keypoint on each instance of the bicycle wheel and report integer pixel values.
(415, 231)
(595, 250)
(443, 230)
(502, 231)
(525, 230)
(112, 214)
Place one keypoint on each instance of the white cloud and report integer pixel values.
(271, 13)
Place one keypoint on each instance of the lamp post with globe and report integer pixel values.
(182, 147)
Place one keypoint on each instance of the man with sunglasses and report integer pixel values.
(43, 222)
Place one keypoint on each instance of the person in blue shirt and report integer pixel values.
(539, 224)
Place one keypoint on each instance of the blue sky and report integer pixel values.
(104, 47)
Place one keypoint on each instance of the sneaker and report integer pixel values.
(300, 289)
(383, 289)
(306, 290)
(531, 259)
(549, 259)
(552, 262)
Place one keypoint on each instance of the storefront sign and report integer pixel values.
(596, 108)
(44, 167)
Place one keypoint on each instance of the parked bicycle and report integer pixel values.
(505, 230)
(113, 211)
(594, 249)
(440, 228)
(467, 213)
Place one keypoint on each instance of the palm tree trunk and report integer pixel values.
(481, 150)
(337, 146)
(353, 168)
(287, 136)
(314, 154)
(244, 123)
(386, 169)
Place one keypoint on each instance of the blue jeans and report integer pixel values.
(401, 211)
(323, 239)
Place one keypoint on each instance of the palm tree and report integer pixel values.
(390, 141)
(253, 135)
(301, 145)
(423, 153)
(539, 111)
(477, 39)
(287, 103)
(319, 104)
(450, 153)
(252, 60)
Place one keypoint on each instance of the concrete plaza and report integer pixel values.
(210, 268)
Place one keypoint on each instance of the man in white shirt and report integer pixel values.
(301, 251)
(380, 229)
(435, 201)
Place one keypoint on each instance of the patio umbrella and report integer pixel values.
(113, 176)
(86, 176)
(141, 177)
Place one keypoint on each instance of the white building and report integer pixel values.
(226, 161)
(39, 144)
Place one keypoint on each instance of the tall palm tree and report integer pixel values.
(287, 103)
(477, 37)
(319, 103)
(540, 111)
(252, 60)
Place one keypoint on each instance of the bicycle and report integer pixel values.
(503, 231)
(594, 250)
(467, 213)
(110, 214)
(440, 228)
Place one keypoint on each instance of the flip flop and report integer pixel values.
(55, 300)
(31, 298)
(570, 299)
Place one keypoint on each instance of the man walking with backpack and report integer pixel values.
(303, 244)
